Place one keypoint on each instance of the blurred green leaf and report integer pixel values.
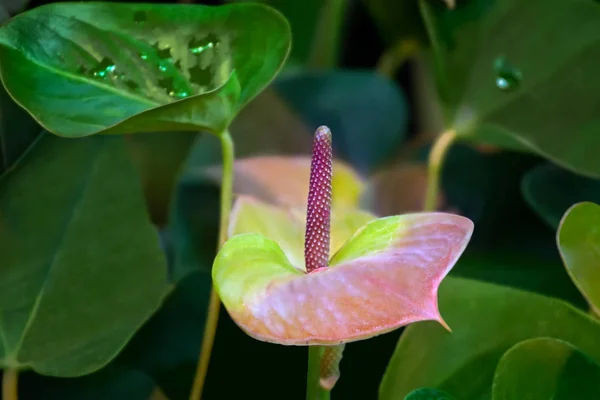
(171, 338)
(428, 394)
(578, 240)
(544, 368)
(82, 266)
(551, 190)
(194, 226)
(159, 159)
(501, 81)
(111, 382)
(17, 131)
(367, 113)
(486, 321)
(128, 68)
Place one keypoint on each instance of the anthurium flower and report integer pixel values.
(384, 273)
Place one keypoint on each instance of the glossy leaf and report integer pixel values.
(501, 82)
(428, 394)
(130, 68)
(367, 112)
(544, 368)
(384, 277)
(82, 266)
(551, 190)
(284, 180)
(578, 241)
(486, 320)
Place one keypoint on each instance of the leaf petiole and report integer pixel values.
(434, 168)
(214, 305)
(10, 380)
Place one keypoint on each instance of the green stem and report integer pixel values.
(10, 380)
(314, 391)
(394, 57)
(436, 159)
(212, 317)
(324, 52)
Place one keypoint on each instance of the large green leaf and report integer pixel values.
(501, 81)
(113, 382)
(81, 263)
(544, 368)
(367, 113)
(486, 321)
(551, 190)
(578, 240)
(84, 68)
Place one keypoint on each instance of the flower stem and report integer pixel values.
(314, 391)
(436, 159)
(10, 380)
(210, 327)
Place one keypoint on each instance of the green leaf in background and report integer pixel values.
(500, 81)
(428, 394)
(113, 382)
(578, 241)
(84, 68)
(159, 158)
(193, 226)
(170, 340)
(544, 368)
(486, 321)
(82, 267)
(367, 113)
(551, 190)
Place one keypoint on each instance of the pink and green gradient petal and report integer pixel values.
(386, 276)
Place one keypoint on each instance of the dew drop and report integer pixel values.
(143, 55)
(139, 17)
(104, 68)
(507, 76)
(179, 94)
(197, 46)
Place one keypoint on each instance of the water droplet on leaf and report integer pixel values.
(143, 56)
(197, 46)
(139, 17)
(180, 94)
(104, 68)
(507, 76)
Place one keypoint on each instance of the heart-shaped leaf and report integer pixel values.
(551, 190)
(85, 68)
(487, 320)
(501, 82)
(545, 368)
(82, 268)
(367, 112)
(385, 276)
(578, 241)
